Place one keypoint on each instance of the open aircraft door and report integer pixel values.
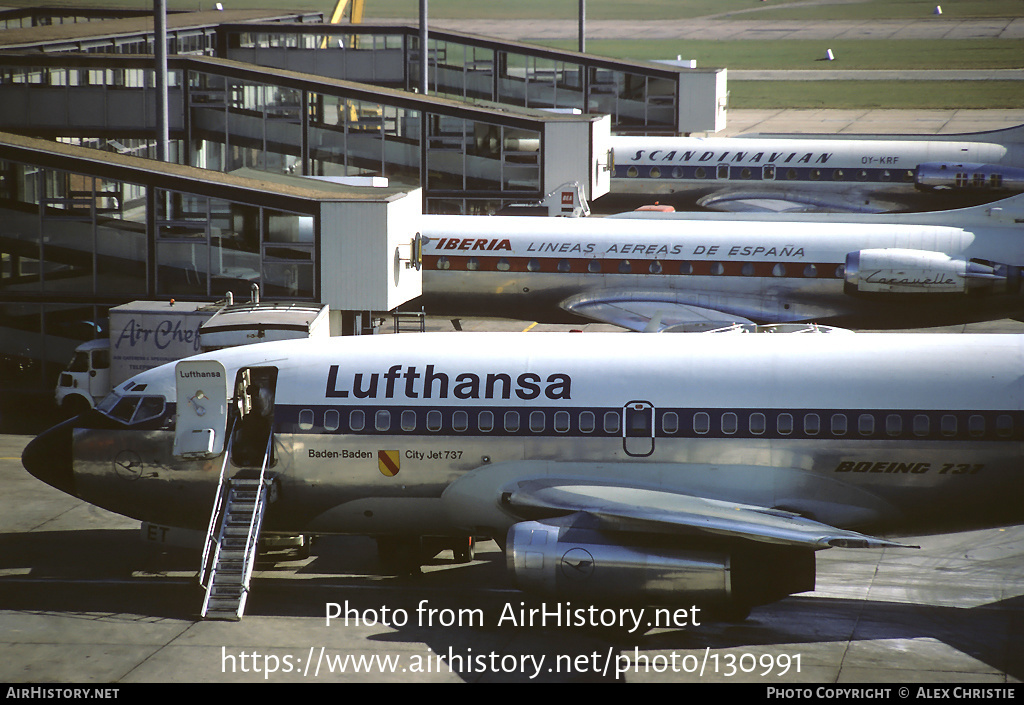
(202, 413)
(638, 428)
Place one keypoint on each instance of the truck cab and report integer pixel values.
(86, 379)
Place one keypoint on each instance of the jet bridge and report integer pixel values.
(226, 116)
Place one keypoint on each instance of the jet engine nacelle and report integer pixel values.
(568, 562)
(899, 271)
(974, 177)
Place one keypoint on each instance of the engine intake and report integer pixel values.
(586, 564)
(900, 271)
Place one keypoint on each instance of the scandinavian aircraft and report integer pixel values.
(823, 173)
(701, 469)
(685, 270)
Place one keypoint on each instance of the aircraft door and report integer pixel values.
(255, 390)
(202, 408)
(638, 428)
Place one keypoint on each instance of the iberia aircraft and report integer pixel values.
(689, 469)
(680, 271)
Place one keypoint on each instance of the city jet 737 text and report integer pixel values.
(680, 271)
(701, 469)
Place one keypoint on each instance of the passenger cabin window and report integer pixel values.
(511, 421)
(485, 421)
(812, 424)
(784, 424)
(729, 422)
(332, 420)
(838, 424)
(306, 419)
(357, 420)
(611, 422)
(866, 424)
(976, 426)
(921, 425)
(893, 425)
(757, 423)
(561, 421)
(947, 425)
(382, 420)
(701, 422)
(1004, 426)
(670, 422)
(433, 420)
(537, 421)
(460, 421)
(587, 422)
(408, 420)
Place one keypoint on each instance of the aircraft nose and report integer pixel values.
(48, 457)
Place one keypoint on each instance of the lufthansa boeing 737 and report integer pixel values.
(679, 271)
(830, 173)
(671, 469)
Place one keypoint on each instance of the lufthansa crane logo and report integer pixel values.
(128, 465)
(577, 564)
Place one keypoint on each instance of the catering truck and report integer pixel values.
(145, 334)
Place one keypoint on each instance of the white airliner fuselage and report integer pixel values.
(752, 452)
(818, 172)
(646, 274)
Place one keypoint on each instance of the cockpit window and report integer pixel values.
(132, 409)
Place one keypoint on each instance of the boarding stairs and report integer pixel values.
(233, 537)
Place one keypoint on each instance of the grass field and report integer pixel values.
(739, 55)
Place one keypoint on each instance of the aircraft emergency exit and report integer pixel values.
(677, 271)
(831, 173)
(671, 469)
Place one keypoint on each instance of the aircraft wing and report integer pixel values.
(623, 507)
(651, 312)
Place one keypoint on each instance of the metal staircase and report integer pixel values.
(232, 539)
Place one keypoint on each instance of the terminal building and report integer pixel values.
(267, 113)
